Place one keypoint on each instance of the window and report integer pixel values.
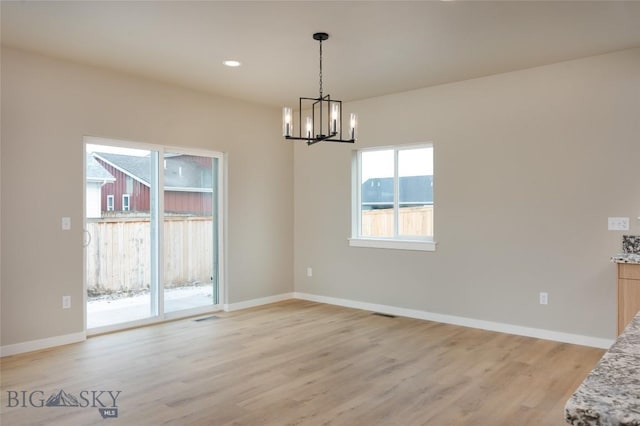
(126, 206)
(393, 198)
(109, 203)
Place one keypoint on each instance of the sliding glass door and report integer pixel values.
(152, 233)
(190, 232)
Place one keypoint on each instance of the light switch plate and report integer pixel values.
(618, 224)
(544, 298)
(66, 223)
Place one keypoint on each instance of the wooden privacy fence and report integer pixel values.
(119, 256)
(412, 221)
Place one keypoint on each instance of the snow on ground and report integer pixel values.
(110, 310)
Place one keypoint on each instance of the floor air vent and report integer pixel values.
(212, 317)
(380, 314)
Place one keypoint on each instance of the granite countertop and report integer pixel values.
(630, 250)
(626, 258)
(610, 395)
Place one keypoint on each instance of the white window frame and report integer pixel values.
(111, 203)
(399, 242)
(126, 207)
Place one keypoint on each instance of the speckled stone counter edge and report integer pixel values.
(610, 395)
(626, 258)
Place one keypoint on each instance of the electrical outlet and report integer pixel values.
(66, 302)
(309, 272)
(544, 298)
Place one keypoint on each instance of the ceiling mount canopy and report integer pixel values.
(321, 36)
(325, 121)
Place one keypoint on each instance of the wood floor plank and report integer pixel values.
(303, 363)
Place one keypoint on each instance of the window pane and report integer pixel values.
(415, 192)
(377, 216)
(118, 255)
(190, 276)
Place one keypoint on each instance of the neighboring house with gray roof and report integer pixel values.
(377, 193)
(188, 183)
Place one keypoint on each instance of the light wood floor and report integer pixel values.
(298, 362)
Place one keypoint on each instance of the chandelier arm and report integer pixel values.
(340, 140)
(316, 140)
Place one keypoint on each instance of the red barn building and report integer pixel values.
(188, 183)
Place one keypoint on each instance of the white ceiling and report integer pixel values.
(375, 47)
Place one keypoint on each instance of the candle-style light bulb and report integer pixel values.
(353, 127)
(335, 115)
(309, 128)
(287, 122)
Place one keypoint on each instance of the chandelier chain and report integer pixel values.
(320, 69)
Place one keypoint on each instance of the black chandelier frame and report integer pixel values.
(320, 107)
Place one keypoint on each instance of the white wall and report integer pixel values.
(528, 166)
(48, 106)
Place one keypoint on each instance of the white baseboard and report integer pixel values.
(50, 342)
(556, 336)
(228, 307)
(576, 339)
(35, 345)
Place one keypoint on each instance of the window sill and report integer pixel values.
(393, 244)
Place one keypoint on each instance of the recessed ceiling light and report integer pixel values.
(231, 63)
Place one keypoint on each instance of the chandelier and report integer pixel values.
(325, 122)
